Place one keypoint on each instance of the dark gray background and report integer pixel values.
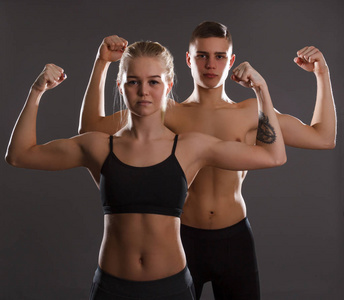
(51, 222)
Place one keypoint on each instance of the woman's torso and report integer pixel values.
(140, 246)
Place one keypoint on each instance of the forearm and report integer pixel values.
(24, 132)
(93, 103)
(269, 135)
(324, 116)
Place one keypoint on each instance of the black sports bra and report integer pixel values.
(157, 189)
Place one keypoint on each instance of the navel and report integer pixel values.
(211, 214)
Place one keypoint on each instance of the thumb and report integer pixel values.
(298, 61)
(234, 78)
(62, 78)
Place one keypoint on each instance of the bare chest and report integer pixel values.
(225, 124)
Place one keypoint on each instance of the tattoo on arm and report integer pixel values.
(265, 133)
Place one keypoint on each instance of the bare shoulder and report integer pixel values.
(249, 104)
(172, 106)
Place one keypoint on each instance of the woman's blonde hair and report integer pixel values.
(146, 49)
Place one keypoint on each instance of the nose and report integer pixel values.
(143, 89)
(211, 63)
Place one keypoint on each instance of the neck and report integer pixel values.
(146, 127)
(208, 96)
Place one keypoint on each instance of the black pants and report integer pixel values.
(226, 257)
(175, 287)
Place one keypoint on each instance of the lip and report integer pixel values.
(143, 102)
(209, 75)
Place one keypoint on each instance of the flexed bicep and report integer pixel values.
(321, 132)
(300, 135)
(55, 155)
(232, 155)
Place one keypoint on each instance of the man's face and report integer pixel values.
(210, 59)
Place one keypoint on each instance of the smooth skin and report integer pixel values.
(214, 200)
(138, 246)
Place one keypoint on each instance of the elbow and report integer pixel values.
(280, 161)
(15, 158)
(11, 159)
(82, 129)
(329, 145)
(324, 144)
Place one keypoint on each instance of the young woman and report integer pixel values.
(143, 171)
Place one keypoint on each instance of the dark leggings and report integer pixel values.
(175, 287)
(226, 257)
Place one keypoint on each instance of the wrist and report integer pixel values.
(102, 62)
(258, 87)
(36, 90)
(35, 95)
(322, 71)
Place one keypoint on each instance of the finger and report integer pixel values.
(243, 74)
(110, 41)
(237, 71)
(311, 54)
(49, 78)
(298, 61)
(117, 43)
(62, 78)
(301, 52)
(234, 78)
(56, 71)
(57, 74)
(307, 50)
(125, 43)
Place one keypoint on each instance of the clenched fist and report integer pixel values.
(112, 48)
(247, 76)
(50, 77)
(311, 60)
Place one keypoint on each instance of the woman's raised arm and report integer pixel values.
(23, 150)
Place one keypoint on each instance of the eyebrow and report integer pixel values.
(205, 52)
(153, 76)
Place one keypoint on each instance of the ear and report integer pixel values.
(169, 87)
(231, 63)
(188, 59)
(119, 88)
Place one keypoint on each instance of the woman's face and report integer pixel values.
(144, 87)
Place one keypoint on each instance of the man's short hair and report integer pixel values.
(211, 29)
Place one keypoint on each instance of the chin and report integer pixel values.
(210, 86)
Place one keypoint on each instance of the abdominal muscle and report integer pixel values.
(141, 247)
(214, 199)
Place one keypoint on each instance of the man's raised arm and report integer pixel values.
(321, 133)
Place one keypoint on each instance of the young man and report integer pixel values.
(215, 232)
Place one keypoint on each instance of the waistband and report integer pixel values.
(215, 234)
(154, 288)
